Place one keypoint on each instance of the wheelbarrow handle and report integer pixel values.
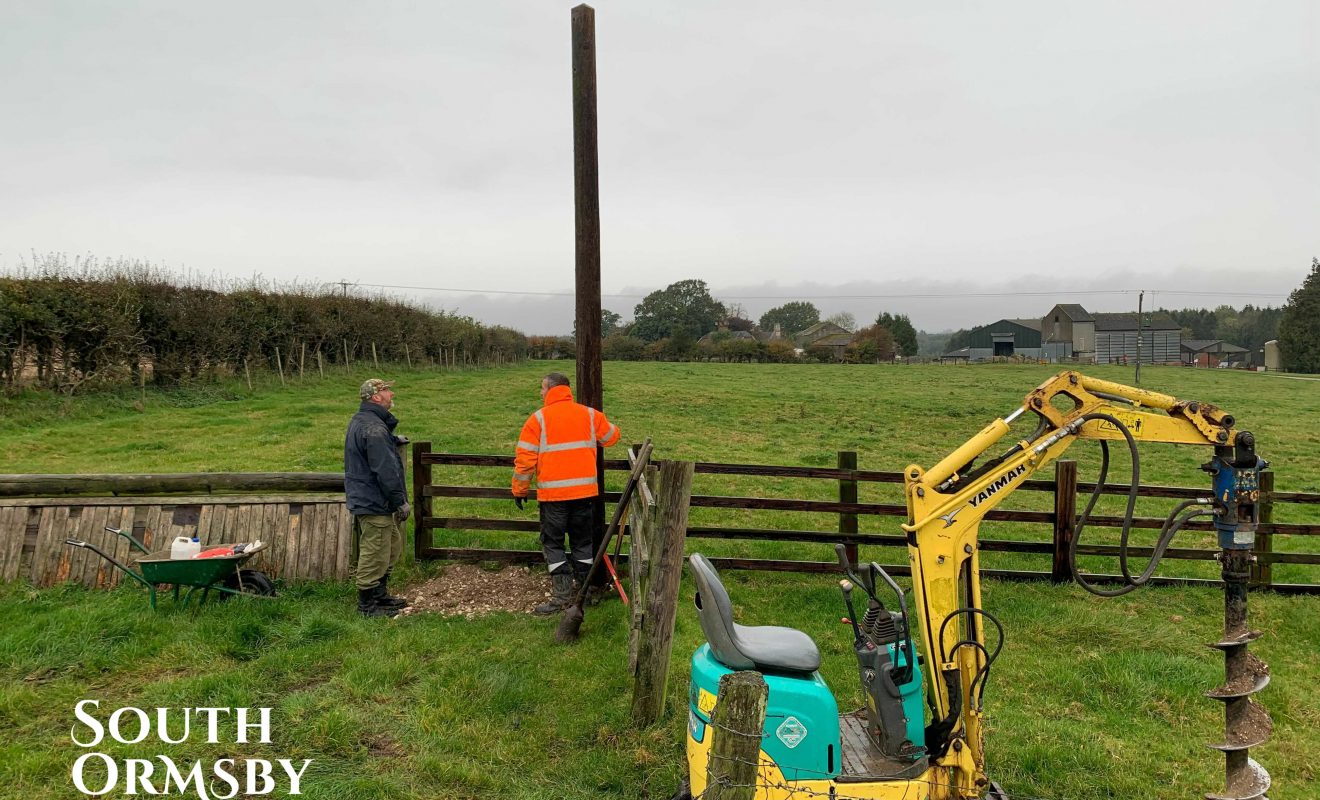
(110, 558)
(130, 537)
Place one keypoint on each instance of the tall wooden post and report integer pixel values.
(848, 494)
(586, 224)
(1065, 519)
(656, 640)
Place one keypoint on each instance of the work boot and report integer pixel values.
(384, 598)
(370, 608)
(561, 594)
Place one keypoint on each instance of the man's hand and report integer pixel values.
(518, 501)
(403, 512)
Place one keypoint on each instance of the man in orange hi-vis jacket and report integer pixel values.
(558, 446)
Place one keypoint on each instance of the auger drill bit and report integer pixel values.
(1236, 471)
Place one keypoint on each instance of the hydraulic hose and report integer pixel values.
(1172, 524)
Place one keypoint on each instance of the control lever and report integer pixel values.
(867, 586)
(847, 587)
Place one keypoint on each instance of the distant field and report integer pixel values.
(1092, 698)
(746, 413)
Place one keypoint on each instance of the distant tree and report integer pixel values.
(932, 344)
(793, 317)
(958, 340)
(1299, 329)
(780, 351)
(618, 347)
(610, 323)
(872, 345)
(844, 320)
(1250, 328)
(683, 311)
(905, 336)
(1197, 323)
(738, 323)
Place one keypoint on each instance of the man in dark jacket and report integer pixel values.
(377, 497)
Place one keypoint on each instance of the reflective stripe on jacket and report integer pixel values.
(557, 446)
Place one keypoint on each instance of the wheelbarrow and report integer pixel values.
(221, 573)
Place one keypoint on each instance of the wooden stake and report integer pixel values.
(320, 369)
(407, 355)
(655, 642)
(247, 370)
(373, 356)
(347, 363)
(302, 356)
(279, 365)
(735, 731)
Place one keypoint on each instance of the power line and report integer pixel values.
(916, 296)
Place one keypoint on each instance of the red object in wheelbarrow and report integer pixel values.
(221, 573)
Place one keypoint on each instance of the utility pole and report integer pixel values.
(586, 201)
(344, 286)
(1140, 297)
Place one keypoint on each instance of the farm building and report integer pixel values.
(819, 331)
(1069, 322)
(1116, 339)
(1213, 352)
(1007, 338)
(1070, 332)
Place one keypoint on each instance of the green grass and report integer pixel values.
(1091, 698)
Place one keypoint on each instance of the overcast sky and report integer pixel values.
(874, 155)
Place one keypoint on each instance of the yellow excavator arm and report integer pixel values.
(947, 502)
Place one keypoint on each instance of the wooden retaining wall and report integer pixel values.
(309, 534)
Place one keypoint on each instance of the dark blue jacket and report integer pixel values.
(373, 469)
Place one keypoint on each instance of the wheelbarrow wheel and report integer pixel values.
(253, 582)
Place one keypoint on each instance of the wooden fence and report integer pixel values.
(1061, 519)
(301, 515)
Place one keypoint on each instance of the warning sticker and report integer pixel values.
(791, 732)
(705, 702)
(1133, 422)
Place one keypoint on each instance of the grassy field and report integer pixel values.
(1091, 698)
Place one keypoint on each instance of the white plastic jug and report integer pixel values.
(183, 547)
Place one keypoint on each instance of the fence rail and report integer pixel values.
(1062, 519)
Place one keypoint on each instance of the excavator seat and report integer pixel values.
(765, 648)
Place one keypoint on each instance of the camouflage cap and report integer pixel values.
(373, 386)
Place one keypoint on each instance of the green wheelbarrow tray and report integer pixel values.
(221, 573)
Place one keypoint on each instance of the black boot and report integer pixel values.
(561, 594)
(369, 607)
(384, 598)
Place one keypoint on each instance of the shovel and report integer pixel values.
(570, 624)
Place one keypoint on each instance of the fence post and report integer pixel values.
(655, 643)
(735, 730)
(279, 365)
(374, 361)
(302, 357)
(1065, 518)
(848, 494)
(421, 501)
(641, 532)
(1262, 572)
(319, 368)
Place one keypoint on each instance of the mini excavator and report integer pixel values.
(921, 734)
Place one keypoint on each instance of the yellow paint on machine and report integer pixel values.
(772, 785)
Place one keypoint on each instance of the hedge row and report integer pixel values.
(72, 330)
